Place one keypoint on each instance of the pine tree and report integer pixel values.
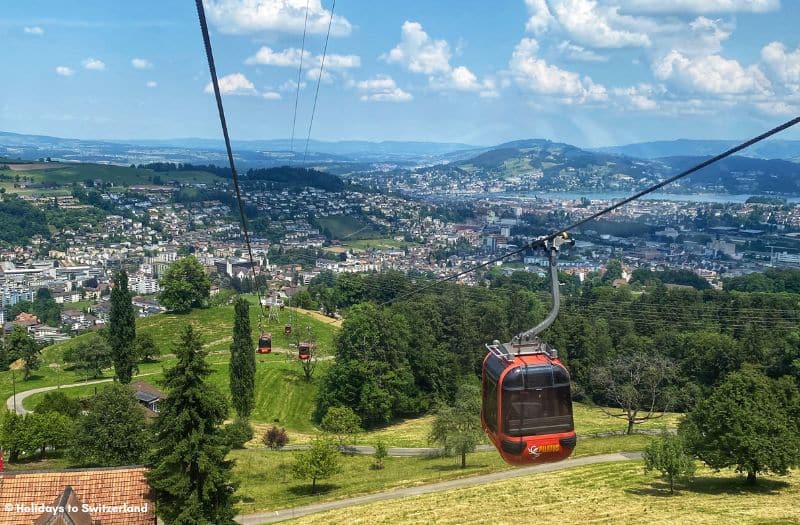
(190, 475)
(122, 329)
(243, 361)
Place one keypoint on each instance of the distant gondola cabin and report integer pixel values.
(265, 343)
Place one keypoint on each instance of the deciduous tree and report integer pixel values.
(319, 461)
(113, 432)
(750, 422)
(668, 455)
(185, 285)
(457, 428)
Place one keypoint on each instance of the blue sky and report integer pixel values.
(588, 72)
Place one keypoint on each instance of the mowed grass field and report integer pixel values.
(617, 492)
(266, 483)
(214, 327)
(348, 227)
(283, 396)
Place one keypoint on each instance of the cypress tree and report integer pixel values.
(190, 475)
(243, 361)
(122, 329)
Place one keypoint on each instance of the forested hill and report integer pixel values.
(289, 177)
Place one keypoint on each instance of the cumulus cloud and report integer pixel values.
(599, 26)
(382, 88)
(700, 6)
(152, 84)
(419, 53)
(141, 63)
(290, 57)
(271, 95)
(541, 18)
(639, 97)
(287, 16)
(34, 30)
(65, 71)
(94, 64)
(234, 84)
(534, 74)
(712, 74)
(784, 66)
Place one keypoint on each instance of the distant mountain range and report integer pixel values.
(769, 149)
(770, 167)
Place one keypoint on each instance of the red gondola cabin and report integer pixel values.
(527, 405)
(265, 343)
(304, 351)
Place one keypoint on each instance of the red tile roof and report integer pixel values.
(113, 487)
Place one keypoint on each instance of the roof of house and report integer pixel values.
(72, 514)
(142, 387)
(109, 487)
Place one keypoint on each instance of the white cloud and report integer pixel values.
(290, 57)
(152, 84)
(571, 51)
(541, 18)
(600, 26)
(711, 74)
(639, 97)
(141, 63)
(65, 71)
(291, 86)
(778, 108)
(94, 64)
(784, 66)
(287, 16)
(234, 84)
(418, 52)
(35, 30)
(382, 88)
(700, 6)
(536, 75)
(271, 95)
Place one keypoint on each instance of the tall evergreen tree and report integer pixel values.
(243, 361)
(190, 475)
(122, 329)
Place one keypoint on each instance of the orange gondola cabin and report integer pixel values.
(304, 351)
(265, 343)
(527, 404)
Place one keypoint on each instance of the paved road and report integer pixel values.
(21, 396)
(285, 514)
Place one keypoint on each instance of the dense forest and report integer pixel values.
(289, 177)
(396, 360)
(19, 221)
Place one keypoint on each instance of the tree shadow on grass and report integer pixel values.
(711, 485)
(305, 490)
(737, 485)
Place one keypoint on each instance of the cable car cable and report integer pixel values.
(547, 238)
(215, 82)
(319, 81)
(299, 76)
